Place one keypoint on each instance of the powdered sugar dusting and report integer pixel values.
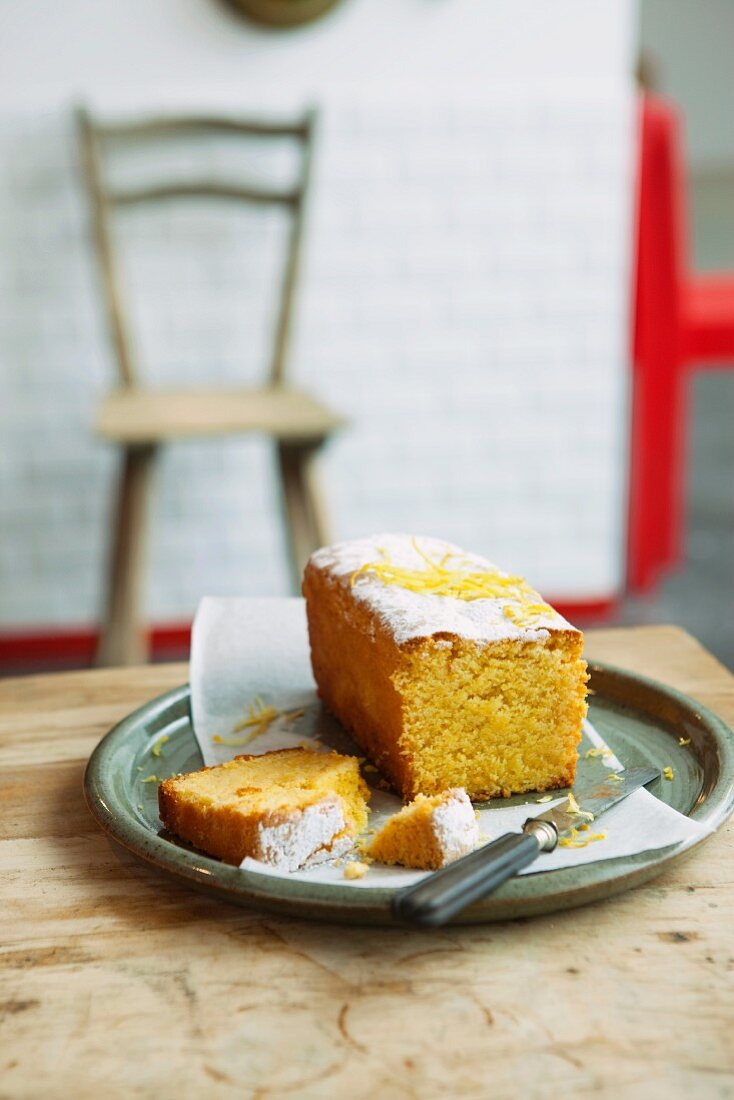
(411, 615)
(303, 839)
(455, 826)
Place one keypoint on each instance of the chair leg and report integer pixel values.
(306, 522)
(123, 639)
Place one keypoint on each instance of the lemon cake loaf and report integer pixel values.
(430, 832)
(447, 671)
(290, 808)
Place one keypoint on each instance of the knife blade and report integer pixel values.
(594, 799)
(435, 899)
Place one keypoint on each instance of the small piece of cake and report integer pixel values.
(447, 671)
(290, 808)
(356, 869)
(429, 833)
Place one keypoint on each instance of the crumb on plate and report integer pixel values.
(356, 869)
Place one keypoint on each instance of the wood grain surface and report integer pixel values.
(116, 982)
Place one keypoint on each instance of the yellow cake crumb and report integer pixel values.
(356, 869)
(668, 772)
(602, 750)
(684, 740)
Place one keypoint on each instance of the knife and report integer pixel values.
(435, 899)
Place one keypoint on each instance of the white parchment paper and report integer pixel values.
(243, 650)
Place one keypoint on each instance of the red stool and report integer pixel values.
(682, 322)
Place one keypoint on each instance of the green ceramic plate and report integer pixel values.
(640, 719)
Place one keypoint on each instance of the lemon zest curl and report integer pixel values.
(460, 582)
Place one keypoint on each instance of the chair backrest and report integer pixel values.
(95, 138)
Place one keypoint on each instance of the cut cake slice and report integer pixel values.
(429, 833)
(447, 671)
(289, 808)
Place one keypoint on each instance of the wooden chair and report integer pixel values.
(140, 420)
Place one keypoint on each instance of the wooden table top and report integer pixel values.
(118, 982)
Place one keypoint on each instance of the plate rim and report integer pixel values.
(337, 903)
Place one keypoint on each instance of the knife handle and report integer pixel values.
(437, 898)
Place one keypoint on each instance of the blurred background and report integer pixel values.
(458, 269)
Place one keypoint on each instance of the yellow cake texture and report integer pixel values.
(289, 808)
(429, 832)
(448, 671)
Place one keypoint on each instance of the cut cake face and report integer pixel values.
(291, 808)
(428, 833)
(448, 671)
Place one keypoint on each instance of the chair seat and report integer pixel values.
(136, 416)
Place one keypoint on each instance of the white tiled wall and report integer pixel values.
(479, 275)
(464, 302)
